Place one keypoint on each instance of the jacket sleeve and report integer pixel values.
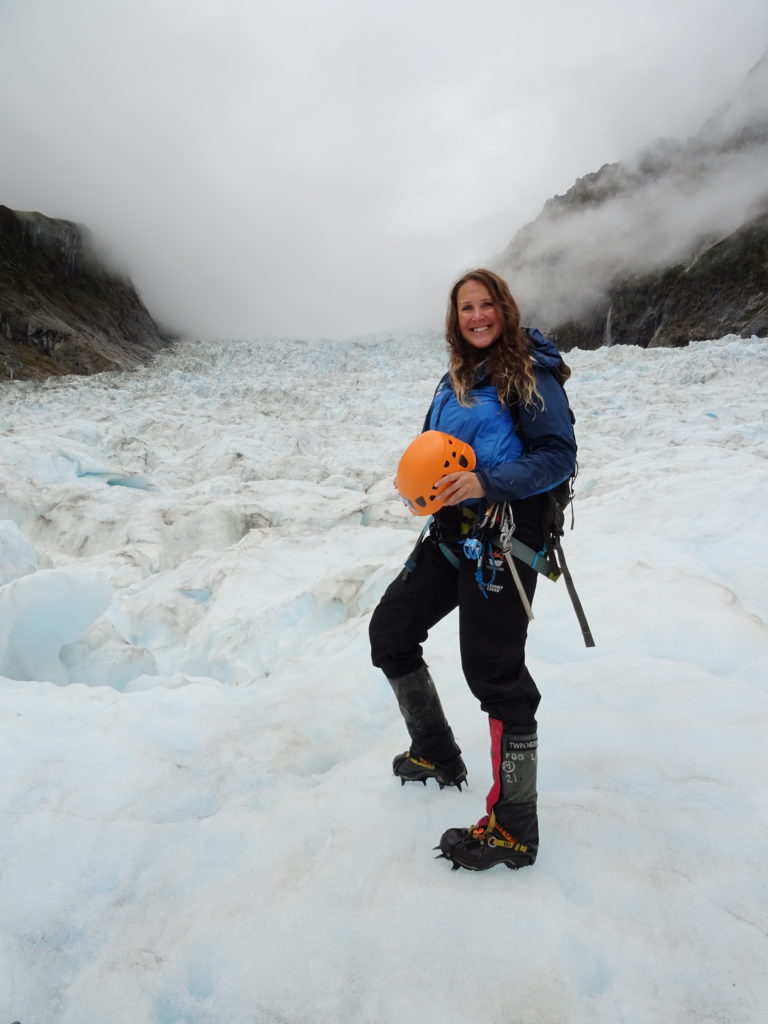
(549, 455)
(440, 385)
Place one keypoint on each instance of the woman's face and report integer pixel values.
(479, 320)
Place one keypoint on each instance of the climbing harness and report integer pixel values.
(495, 534)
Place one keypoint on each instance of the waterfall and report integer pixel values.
(608, 337)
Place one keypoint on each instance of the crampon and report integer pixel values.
(417, 769)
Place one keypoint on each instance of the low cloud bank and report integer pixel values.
(663, 208)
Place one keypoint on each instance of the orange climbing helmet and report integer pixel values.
(431, 456)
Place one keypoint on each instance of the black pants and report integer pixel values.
(492, 629)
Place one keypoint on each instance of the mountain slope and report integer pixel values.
(667, 248)
(61, 309)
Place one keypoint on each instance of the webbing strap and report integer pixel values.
(446, 551)
(519, 584)
(586, 632)
(412, 560)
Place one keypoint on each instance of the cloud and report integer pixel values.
(660, 208)
(327, 167)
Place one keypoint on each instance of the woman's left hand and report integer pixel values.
(456, 487)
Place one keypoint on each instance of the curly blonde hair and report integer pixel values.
(509, 359)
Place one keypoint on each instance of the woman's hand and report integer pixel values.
(456, 487)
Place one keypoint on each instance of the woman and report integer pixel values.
(503, 396)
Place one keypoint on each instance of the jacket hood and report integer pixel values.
(545, 353)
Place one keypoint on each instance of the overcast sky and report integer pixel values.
(312, 168)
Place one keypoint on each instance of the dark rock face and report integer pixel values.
(722, 290)
(668, 249)
(61, 310)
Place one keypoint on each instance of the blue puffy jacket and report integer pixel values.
(519, 453)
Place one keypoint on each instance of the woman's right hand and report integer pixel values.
(454, 488)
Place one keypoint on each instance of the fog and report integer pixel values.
(327, 168)
(667, 205)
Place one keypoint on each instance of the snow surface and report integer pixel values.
(199, 821)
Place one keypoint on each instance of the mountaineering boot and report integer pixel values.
(434, 753)
(509, 833)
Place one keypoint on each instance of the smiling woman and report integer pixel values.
(479, 320)
(502, 396)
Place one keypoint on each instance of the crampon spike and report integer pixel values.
(447, 856)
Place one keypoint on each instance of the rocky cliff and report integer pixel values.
(668, 248)
(61, 309)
